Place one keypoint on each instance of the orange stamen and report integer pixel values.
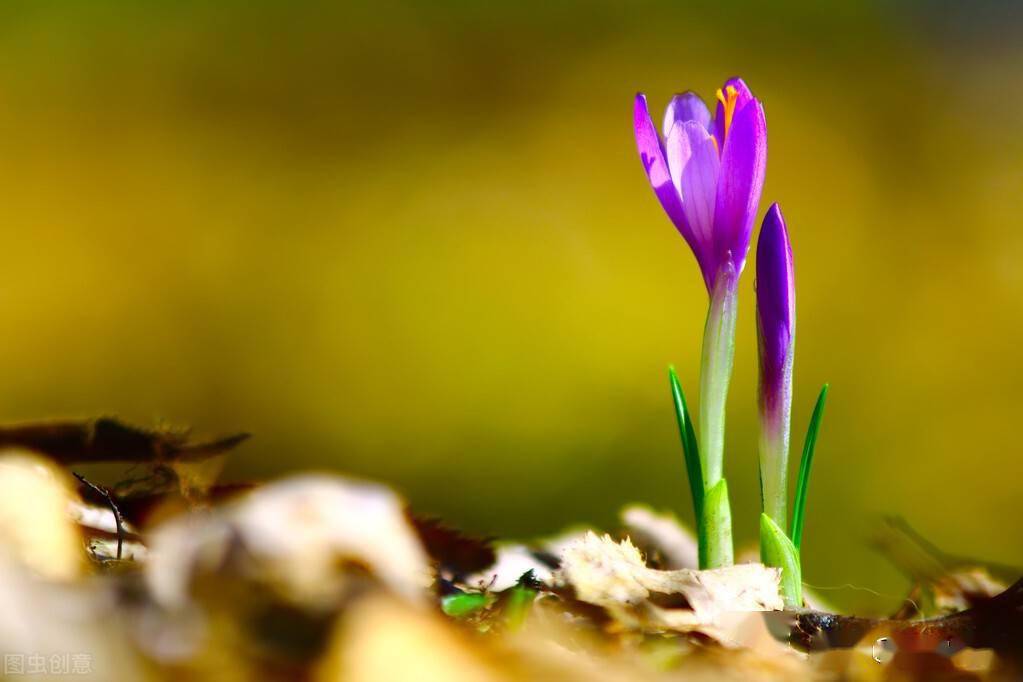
(727, 99)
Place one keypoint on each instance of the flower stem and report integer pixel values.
(715, 374)
(774, 451)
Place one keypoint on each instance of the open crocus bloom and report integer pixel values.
(708, 173)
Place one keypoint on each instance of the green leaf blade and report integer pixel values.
(805, 466)
(688, 437)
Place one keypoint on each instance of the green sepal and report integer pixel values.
(714, 528)
(688, 437)
(809, 446)
(778, 551)
(462, 604)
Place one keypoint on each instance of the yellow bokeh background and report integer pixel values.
(414, 242)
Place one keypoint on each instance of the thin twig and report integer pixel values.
(109, 497)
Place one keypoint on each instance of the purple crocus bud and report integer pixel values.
(776, 327)
(708, 173)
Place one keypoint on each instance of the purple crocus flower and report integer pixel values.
(708, 173)
(776, 327)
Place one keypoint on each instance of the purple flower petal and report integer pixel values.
(693, 163)
(708, 182)
(651, 153)
(742, 96)
(776, 313)
(743, 164)
(685, 107)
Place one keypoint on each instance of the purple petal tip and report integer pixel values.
(776, 304)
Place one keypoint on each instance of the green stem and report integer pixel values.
(774, 451)
(715, 374)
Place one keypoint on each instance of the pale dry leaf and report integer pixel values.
(97, 518)
(35, 526)
(298, 536)
(63, 623)
(513, 560)
(960, 589)
(382, 640)
(613, 575)
(663, 533)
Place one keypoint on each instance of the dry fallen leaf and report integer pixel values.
(614, 576)
(35, 525)
(382, 640)
(662, 534)
(299, 536)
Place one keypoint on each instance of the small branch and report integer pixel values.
(109, 497)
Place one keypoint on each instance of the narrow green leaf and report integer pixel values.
(799, 506)
(688, 437)
(777, 550)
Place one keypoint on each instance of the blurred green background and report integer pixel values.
(413, 241)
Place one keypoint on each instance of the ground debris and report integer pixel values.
(110, 440)
(322, 577)
(454, 552)
(35, 497)
(304, 537)
(661, 537)
(943, 584)
(613, 575)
